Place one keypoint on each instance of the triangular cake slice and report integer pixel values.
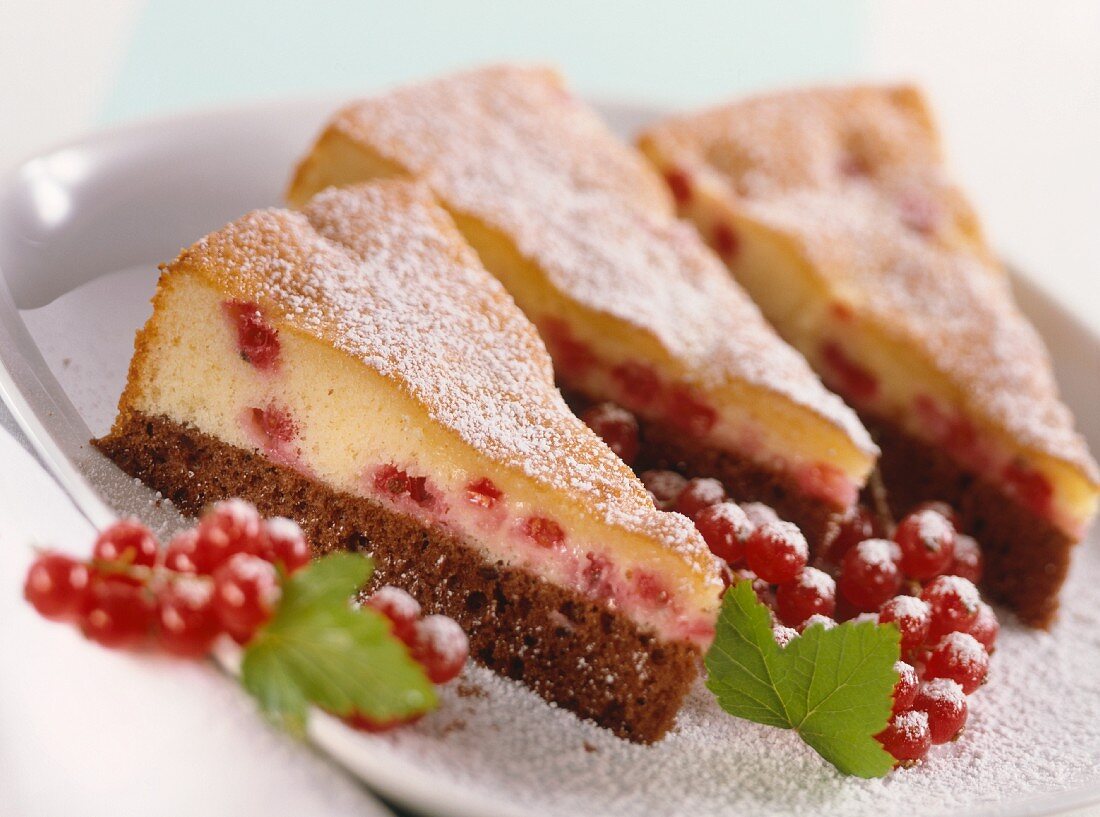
(353, 366)
(834, 210)
(634, 308)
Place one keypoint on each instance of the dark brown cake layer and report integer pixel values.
(1026, 556)
(566, 647)
(665, 447)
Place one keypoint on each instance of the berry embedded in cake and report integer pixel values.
(833, 209)
(632, 305)
(352, 366)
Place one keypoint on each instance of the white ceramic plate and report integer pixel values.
(81, 230)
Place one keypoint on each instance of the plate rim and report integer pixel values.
(32, 393)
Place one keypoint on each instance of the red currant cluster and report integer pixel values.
(435, 642)
(219, 577)
(921, 579)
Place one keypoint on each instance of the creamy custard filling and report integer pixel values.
(335, 420)
(816, 458)
(872, 372)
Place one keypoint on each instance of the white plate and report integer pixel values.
(81, 230)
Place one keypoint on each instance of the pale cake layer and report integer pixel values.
(397, 350)
(573, 224)
(856, 245)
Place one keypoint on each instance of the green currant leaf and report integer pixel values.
(317, 649)
(834, 687)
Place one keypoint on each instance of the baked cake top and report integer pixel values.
(854, 177)
(509, 146)
(380, 272)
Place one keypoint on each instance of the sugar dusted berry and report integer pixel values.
(725, 529)
(953, 603)
(944, 509)
(399, 607)
(905, 690)
(818, 620)
(869, 574)
(927, 542)
(56, 586)
(811, 592)
(699, 493)
(246, 590)
(186, 620)
(440, 647)
(906, 737)
(968, 559)
(944, 701)
(912, 616)
(284, 544)
(663, 486)
(784, 635)
(776, 552)
(985, 626)
(617, 427)
(960, 657)
(128, 542)
(759, 513)
(857, 525)
(116, 613)
(227, 528)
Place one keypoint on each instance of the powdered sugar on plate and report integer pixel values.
(1034, 729)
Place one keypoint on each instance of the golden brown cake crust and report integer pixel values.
(380, 272)
(509, 147)
(842, 173)
(561, 644)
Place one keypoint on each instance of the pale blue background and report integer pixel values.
(184, 54)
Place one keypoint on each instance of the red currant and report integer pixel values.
(811, 592)
(545, 533)
(117, 613)
(440, 647)
(56, 586)
(776, 552)
(400, 608)
(944, 509)
(759, 513)
(180, 553)
(246, 590)
(869, 574)
(784, 635)
(699, 493)
(186, 615)
(960, 657)
(127, 541)
(905, 690)
(954, 605)
(912, 617)
(944, 701)
(724, 528)
(927, 542)
(857, 525)
(906, 737)
(968, 559)
(226, 529)
(818, 620)
(663, 486)
(283, 543)
(985, 626)
(483, 493)
(617, 427)
(257, 340)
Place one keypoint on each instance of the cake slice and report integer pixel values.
(834, 210)
(634, 308)
(354, 367)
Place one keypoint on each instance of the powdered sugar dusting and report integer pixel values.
(1033, 729)
(508, 146)
(380, 272)
(855, 178)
